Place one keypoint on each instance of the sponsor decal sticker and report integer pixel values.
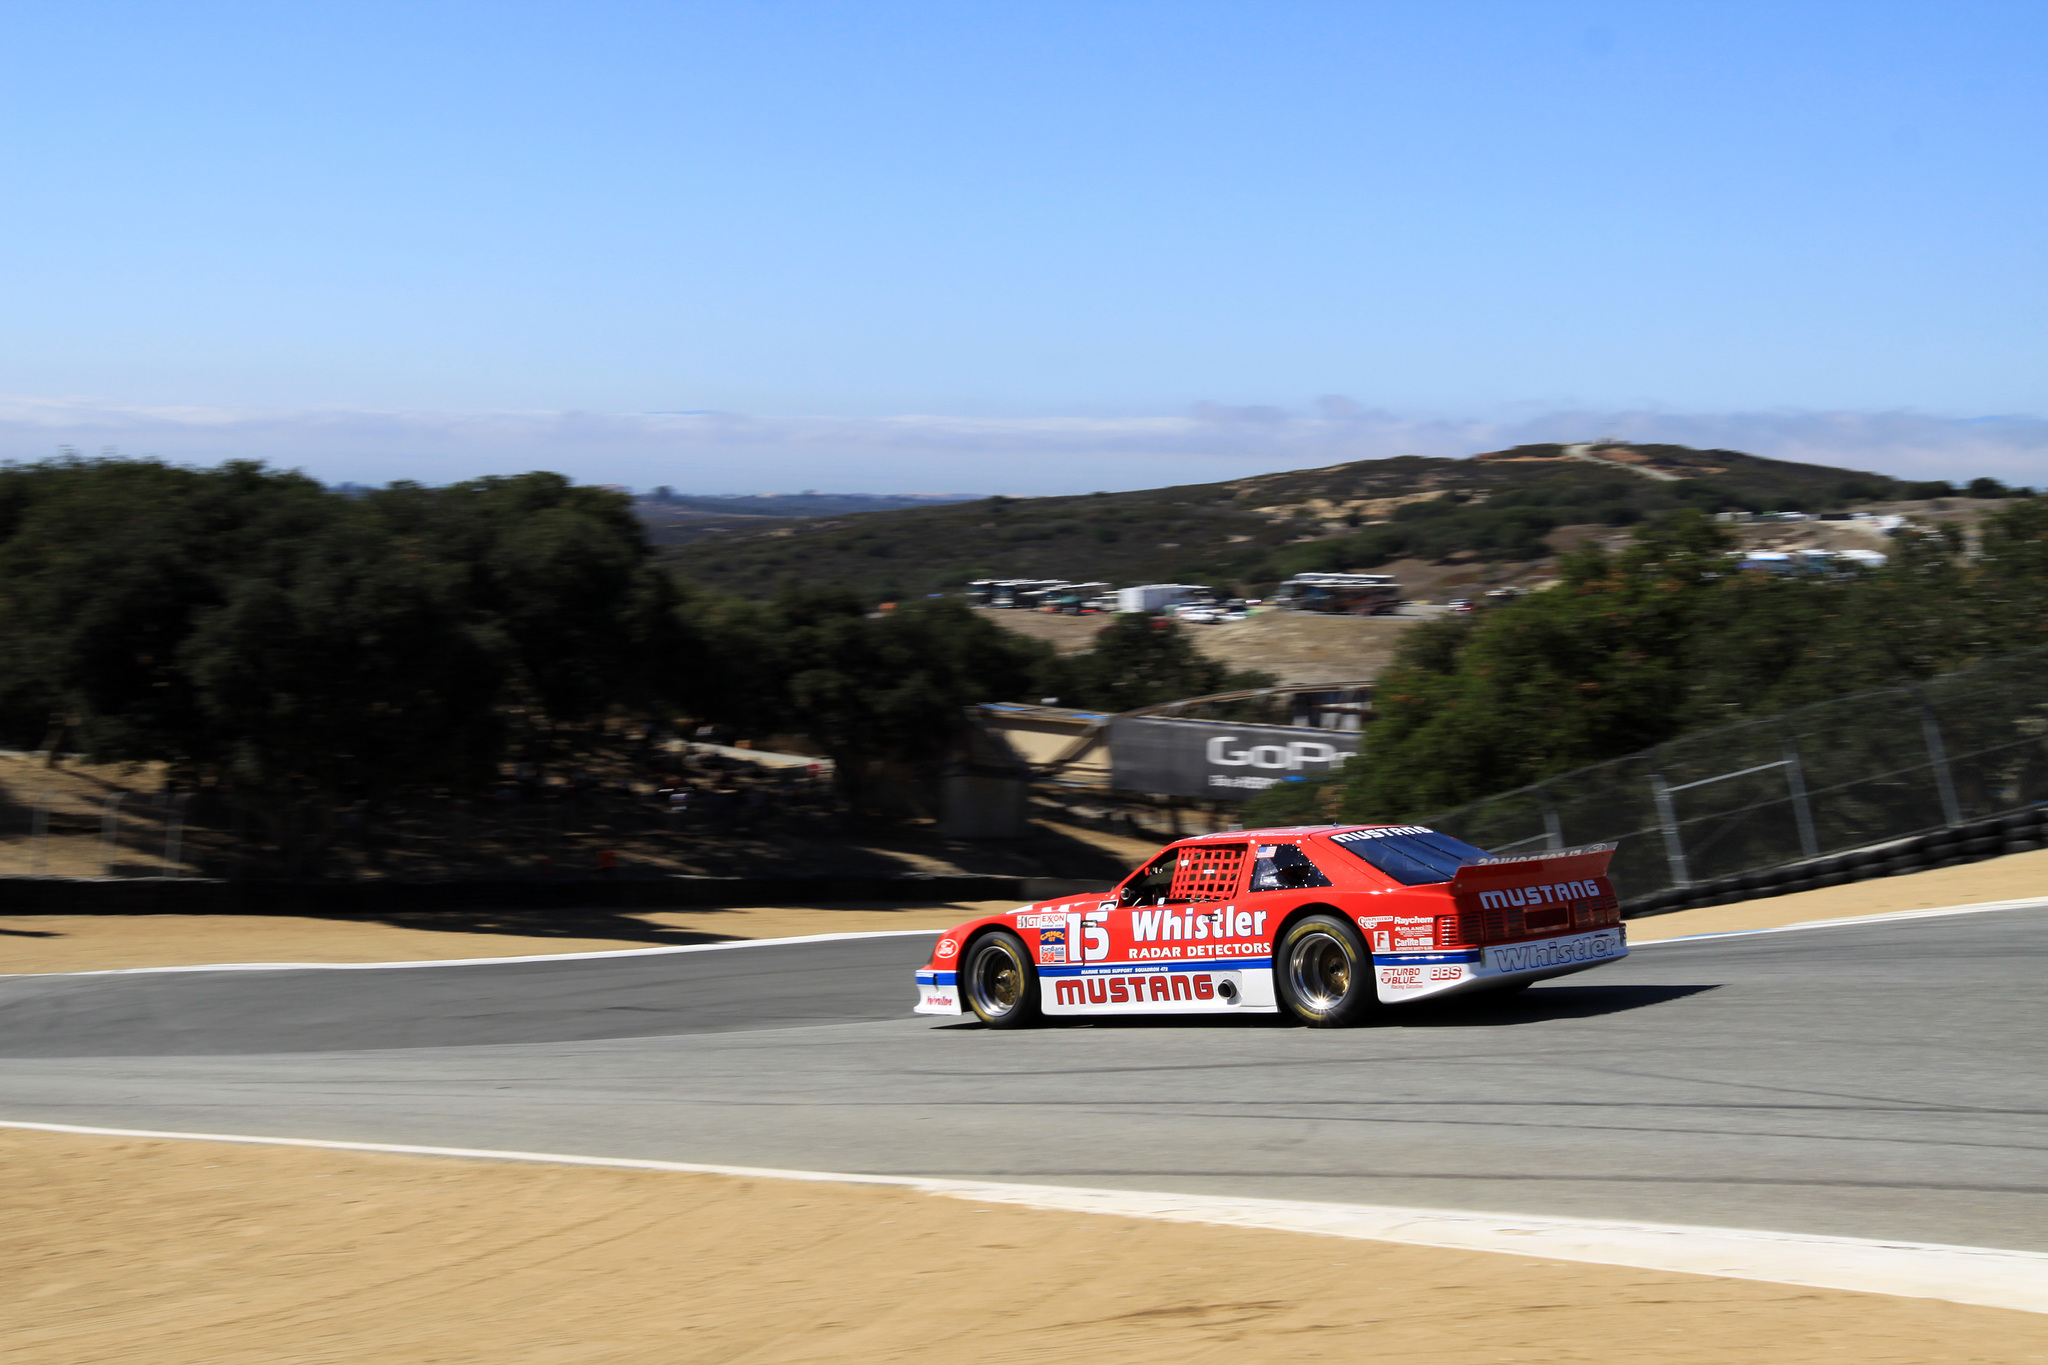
(1163, 988)
(1196, 925)
(1039, 921)
(1555, 952)
(1544, 856)
(1360, 835)
(947, 947)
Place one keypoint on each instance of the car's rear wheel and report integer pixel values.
(999, 982)
(1323, 973)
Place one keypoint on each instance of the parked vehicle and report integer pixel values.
(1162, 596)
(1016, 593)
(1342, 594)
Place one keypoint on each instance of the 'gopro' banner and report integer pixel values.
(1219, 762)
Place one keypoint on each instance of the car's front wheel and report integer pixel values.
(1323, 972)
(999, 982)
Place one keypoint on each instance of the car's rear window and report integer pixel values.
(1410, 854)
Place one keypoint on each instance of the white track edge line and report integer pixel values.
(1980, 908)
(1987, 1277)
(481, 961)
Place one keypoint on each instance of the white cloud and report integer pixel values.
(717, 452)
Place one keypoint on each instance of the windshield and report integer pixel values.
(1410, 854)
(1151, 886)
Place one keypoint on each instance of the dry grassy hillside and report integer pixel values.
(1294, 647)
(1490, 511)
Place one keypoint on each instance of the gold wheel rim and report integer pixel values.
(998, 980)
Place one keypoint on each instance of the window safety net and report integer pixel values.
(1208, 872)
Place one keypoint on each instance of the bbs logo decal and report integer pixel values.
(947, 947)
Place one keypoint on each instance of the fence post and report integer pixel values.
(1795, 778)
(39, 831)
(1674, 848)
(110, 832)
(1937, 754)
(1553, 831)
(174, 833)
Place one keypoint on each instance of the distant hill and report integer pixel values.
(1250, 533)
(680, 518)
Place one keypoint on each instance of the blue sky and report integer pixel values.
(1019, 246)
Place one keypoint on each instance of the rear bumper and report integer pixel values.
(1466, 971)
(937, 992)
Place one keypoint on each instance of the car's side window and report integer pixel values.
(1284, 867)
(1153, 884)
(1186, 875)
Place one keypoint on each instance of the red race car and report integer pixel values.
(1327, 922)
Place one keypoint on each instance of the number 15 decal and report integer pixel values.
(1094, 939)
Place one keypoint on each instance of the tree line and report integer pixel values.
(297, 651)
(1637, 646)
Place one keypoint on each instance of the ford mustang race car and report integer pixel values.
(1327, 922)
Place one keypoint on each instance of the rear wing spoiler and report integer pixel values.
(1583, 863)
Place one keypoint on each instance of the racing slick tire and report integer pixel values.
(998, 982)
(1323, 973)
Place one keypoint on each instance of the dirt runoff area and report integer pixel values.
(117, 1249)
(2017, 876)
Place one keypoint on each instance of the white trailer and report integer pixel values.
(1160, 596)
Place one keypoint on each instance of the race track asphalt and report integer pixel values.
(1886, 1080)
